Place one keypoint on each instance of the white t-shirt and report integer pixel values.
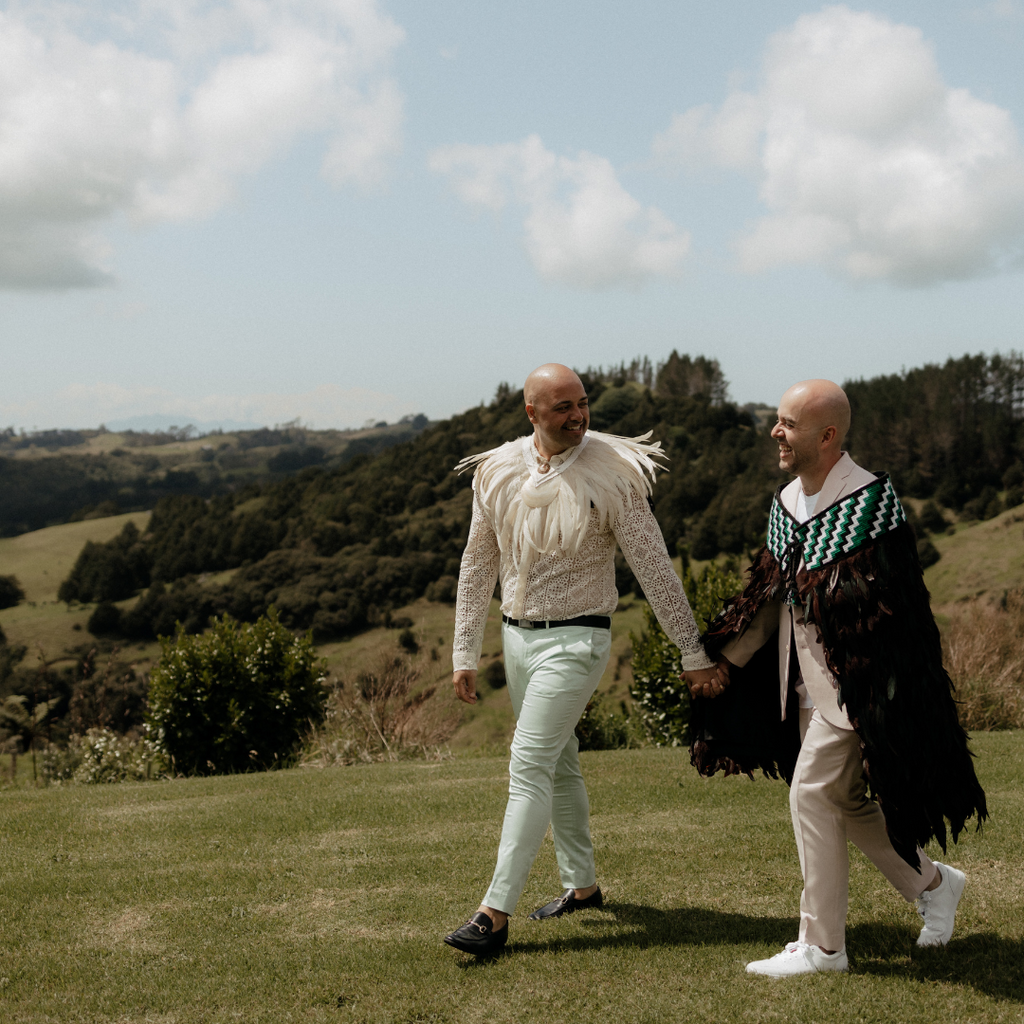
(805, 506)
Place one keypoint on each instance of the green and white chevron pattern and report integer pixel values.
(840, 530)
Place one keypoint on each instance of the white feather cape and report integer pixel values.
(535, 515)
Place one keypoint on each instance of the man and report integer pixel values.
(860, 663)
(547, 512)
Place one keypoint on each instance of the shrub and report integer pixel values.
(235, 699)
(443, 589)
(105, 619)
(927, 553)
(408, 642)
(102, 755)
(661, 697)
(931, 518)
(984, 654)
(386, 714)
(10, 591)
(494, 674)
(601, 729)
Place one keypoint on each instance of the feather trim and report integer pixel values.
(871, 610)
(535, 516)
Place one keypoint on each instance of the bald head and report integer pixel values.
(556, 403)
(546, 377)
(824, 403)
(813, 421)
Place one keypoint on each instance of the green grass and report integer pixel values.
(42, 559)
(323, 895)
(978, 560)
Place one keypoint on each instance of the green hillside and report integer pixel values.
(42, 559)
(982, 559)
(55, 476)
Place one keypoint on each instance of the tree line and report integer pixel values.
(337, 550)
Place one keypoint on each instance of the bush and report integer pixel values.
(927, 553)
(931, 518)
(10, 591)
(105, 619)
(443, 589)
(238, 698)
(101, 755)
(662, 698)
(494, 674)
(601, 729)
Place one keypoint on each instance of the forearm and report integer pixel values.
(643, 546)
(477, 576)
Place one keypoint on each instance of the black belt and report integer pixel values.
(595, 621)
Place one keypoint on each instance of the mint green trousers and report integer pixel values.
(551, 675)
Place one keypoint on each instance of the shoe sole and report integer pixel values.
(474, 951)
(797, 974)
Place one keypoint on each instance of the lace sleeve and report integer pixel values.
(477, 576)
(640, 539)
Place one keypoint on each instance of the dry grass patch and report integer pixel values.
(398, 708)
(984, 653)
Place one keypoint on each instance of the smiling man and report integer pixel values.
(547, 512)
(860, 665)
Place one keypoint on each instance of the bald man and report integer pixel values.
(860, 666)
(548, 510)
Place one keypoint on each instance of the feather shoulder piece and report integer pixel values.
(535, 514)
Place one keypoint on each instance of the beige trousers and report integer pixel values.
(829, 804)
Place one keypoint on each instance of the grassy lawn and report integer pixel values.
(323, 895)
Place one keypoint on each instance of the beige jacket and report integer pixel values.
(845, 476)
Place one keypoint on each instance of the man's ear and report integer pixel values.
(828, 435)
(529, 413)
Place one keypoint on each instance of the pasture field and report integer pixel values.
(978, 560)
(322, 896)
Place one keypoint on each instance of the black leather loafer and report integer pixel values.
(478, 937)
(566, 904)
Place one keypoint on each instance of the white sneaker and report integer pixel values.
(799, 958)
(938, 907)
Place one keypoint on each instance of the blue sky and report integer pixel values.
(341, 210)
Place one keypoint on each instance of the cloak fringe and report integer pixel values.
(873, 618)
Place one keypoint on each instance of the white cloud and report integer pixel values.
(154, 112)
(867, 162)
(88, 405)
(582, 228)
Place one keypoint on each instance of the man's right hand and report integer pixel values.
(465, 685)
(709, 682)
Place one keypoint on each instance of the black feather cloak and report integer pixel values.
(872, 615)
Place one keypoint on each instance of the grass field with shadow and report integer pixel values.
(322, 895)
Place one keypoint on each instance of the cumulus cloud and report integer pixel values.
(153, 111)
(867, 161)
(88, 405)
(582, 228)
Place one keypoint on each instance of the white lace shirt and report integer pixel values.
(561, 587)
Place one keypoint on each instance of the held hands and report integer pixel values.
(708, 682)
(465, 685)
